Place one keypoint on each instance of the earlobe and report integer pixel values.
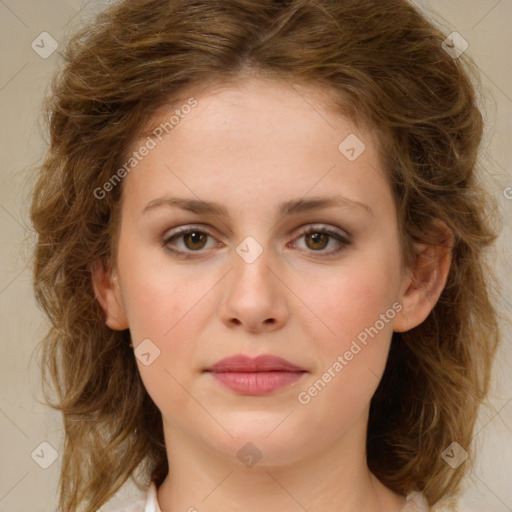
(108, 294)
(426, 280)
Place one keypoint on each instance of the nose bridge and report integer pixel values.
(252, 262)
(250, 250)
(254, 298)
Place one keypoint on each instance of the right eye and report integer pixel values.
(193, 240)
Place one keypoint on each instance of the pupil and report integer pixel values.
(317, 238)
(195, 238)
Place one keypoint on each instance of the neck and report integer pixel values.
(336, 480)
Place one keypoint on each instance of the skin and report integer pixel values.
(249, 147)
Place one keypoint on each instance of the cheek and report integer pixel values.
(171, 309)
(351, 361)
(347, 303)
(161, 300)
(352, 325)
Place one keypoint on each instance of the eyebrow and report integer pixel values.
(293, 206)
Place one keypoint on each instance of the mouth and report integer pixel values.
(257, 376)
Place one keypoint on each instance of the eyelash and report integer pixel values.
(344, 242)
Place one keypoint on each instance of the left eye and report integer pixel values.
(316, 238)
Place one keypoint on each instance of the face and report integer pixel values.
(298, 259)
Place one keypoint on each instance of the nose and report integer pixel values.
(255, 298)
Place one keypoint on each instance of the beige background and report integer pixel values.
(24, 76)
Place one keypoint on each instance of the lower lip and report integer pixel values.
(257, 383)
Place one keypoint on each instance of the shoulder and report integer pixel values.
(137, 506)
(416, 502)
(147, 504)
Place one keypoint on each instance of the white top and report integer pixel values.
(416, 502)
(147, 504)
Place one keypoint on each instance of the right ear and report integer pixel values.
(107, 290)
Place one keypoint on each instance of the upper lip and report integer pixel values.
(245, 364)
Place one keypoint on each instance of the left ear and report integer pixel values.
(426, 280)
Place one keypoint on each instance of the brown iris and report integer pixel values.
(196, 238)
(320, 240)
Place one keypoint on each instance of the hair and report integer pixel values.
(385, 68)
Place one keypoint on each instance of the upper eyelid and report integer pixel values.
(319, 225)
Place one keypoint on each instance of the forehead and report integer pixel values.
(252, 93)
(255, 139)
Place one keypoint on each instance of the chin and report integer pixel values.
(256, 435)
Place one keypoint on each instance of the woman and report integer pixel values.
(260, 242)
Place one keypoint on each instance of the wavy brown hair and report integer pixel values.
(385, 67)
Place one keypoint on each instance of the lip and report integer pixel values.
(255, 376)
